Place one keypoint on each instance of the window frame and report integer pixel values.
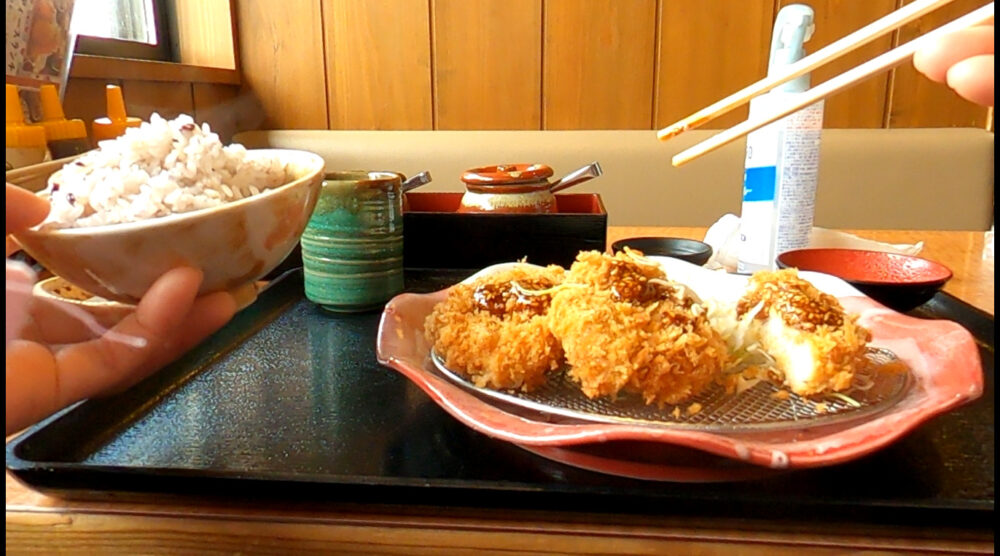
(163, 51)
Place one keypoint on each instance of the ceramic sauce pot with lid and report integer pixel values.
(517, 188)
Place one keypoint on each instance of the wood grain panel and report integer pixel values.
(220, 106)
(598, 64)
(863, 105)
(169, 100)
(86, 99)
(528, 64)
(157, 524)
(98, 534)
(487, 64)
(281, 57)
(707, 50)
(204, 31)
(378, 59)
(920, 102)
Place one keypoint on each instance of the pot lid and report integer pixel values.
(507, 174)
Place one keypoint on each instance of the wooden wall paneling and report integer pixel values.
(221, 107)
(864, 104)
(169, 100)
(707, 50)
(378, 61)
(204, 33)
(920, 102)
(487, 64)
(281, 58)
(598, 64)
(86, 99)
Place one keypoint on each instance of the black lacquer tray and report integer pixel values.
(289, 402)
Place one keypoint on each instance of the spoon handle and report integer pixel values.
(423, 178)
(586, 173)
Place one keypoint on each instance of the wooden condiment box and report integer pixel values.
(436, 236)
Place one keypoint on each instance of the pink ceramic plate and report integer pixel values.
(942, 356)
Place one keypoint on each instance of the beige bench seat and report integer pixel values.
(869, 178)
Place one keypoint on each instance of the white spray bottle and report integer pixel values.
(782, 159)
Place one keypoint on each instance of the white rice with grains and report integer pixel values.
(157, 169)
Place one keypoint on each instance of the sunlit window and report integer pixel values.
(122, 28)
(129, 20)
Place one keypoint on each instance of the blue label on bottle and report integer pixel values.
(758, 183)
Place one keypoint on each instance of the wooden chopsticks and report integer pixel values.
(822, 56)
(836, 49)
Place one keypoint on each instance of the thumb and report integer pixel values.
(24, 209)
(20, 279)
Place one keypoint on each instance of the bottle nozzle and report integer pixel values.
(57, 127)
(19, 133)
(797, 28)
(116, 104)
(51, 107)
(118, 120)
(793, 27)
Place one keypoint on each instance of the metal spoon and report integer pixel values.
(423, 178)
(588, 172)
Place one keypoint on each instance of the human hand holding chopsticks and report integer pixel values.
(940, 36)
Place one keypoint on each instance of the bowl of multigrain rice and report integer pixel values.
(169, 194)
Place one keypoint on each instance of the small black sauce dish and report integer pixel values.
(690, 250)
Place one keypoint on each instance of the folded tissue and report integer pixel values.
(724, 237)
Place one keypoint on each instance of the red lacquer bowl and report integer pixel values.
(901, 282)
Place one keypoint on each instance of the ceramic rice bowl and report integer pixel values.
(234, 244)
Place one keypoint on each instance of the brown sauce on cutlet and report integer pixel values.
(796, 307)
(630, 285)
(502, 299)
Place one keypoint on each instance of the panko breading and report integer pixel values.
(623, 326)
(816, 346)
(495, 331)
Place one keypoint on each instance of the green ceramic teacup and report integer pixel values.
(352, 248)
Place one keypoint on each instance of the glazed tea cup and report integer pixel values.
(352, 247)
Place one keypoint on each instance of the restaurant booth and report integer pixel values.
(308, 426)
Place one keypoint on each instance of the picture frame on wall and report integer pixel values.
(40, 47)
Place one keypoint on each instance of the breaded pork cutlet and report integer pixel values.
(623, 326)
(816, 346)
(495, 331)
